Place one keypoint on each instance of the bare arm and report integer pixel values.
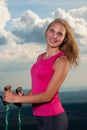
(61, 68)
(29, 93)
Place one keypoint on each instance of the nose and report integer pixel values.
(54, 35)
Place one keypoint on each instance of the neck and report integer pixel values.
(51, 51)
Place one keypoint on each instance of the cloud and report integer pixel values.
(26, 39)
(19, 53)
(79, 13)
(30, 28)
(16, 57)
(3, 40)
(4, 14)
(4, 18)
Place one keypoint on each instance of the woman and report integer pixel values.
(48, 74)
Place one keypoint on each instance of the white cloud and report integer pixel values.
(30, 28)
(4, 14)
(28, 18)
(80, 13)
(29, 31)
(21, 53)
(4, 18)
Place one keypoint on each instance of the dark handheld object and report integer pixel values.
(19, 91)
(7, 88)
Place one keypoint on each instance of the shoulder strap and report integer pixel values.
(59, 55)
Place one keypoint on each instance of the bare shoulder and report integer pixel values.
(61, 62)
(40, 56)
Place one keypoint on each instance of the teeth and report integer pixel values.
(52, 40)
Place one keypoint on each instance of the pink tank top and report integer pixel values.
(42, 72)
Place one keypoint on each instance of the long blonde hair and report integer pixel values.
(69, 45)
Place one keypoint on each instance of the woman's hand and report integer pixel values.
(9, 96)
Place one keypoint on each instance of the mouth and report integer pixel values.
(52, 40)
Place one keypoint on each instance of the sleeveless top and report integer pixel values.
(42, 72)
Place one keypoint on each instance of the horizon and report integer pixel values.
(72, 96)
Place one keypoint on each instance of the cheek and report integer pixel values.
(62, 38)
(47, 35)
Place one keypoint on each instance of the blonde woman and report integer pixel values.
(48, 74)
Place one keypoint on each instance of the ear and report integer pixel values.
(65, 40)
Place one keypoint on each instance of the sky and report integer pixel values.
(22, 28)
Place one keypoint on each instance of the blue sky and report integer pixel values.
(43, 8)
(22, 27)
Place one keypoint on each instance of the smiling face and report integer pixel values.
(55, 34)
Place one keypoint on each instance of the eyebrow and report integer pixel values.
(54, 30)
(60, 33)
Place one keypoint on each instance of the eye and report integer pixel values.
(51, 30)
(59, 34)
